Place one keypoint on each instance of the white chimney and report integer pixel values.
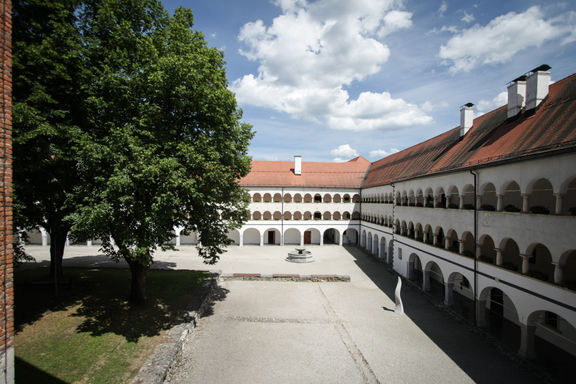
(537, 86)
(298, 165)
(466, 118)
(516, 96)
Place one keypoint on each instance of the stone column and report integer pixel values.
(527, 341)
(478, 251)
(498, 256)
(44, 237)
(435, 239)
(435, 201)
(524, 203)
(558, 274)
(447, 242)
(262, 238)
(425, 237)
(460, 247)
(499, 199)
(558, 208)
(447, 201)
(426, 281)
(481, 313)
(461, 206)
(525, 263)
(478, 201)
(241, 242)
(449, 294)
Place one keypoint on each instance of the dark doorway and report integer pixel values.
(308, 237)
(271, 237)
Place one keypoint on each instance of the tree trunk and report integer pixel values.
(138, 283)
(58, 238)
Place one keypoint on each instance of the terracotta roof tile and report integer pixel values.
(314, 174)
(493, 137)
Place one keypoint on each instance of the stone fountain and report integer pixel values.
(300, 255)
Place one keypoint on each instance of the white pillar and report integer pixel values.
(448, 294)
(460, 247)
(527, 341)
(262, 238)
(525, 263)
(89, 243)
(558, 208)
(524, 203)
(499, 199)
(461, 205)
(558, 275)
(44, 237)
(447, 243)
(498, 256)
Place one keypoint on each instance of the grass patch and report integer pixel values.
(89, 333)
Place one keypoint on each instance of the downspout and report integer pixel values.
(475, 247)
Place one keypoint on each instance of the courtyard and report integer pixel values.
(328, 332)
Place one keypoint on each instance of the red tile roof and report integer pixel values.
(314, 174)
(493, 137)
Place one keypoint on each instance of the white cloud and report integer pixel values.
(502, 38)
(380, 153)
(468, 17)
(344, 152)
(312, 51)
(488, 105)
(443, 8)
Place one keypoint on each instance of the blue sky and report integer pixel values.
(334, 79)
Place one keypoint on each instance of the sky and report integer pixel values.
(334, 79)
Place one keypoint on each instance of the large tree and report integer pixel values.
(48, 75)
(167, 146)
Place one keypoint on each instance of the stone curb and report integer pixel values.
(166, 355)
(284, 277)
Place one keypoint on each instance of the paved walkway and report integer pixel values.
(341, 332)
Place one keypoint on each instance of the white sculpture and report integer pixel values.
(399, 307)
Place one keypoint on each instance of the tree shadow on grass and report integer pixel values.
(165, 309)
(28, 373)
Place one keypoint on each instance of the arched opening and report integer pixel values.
(267, 215)
(428, 235)
(346, 198)
(489, 199)
(287, 198)
(350, 236)
(397, 227)
(411, 232)
(441, 203)
(468, 246)
(355, 215)
(460, 296)
(487, 250)
(468, 197)
(363, 239)
(234, 235)
(369, 242)
(327, 198)
(307, 198)
(256, 198)
(452, 243)
(554, 344)
(346, 216)
(312, 236)
(272, 237)
(429, 197)
(190, 238)
(277, 197)
(382, 254)
(569, 199)
(292, 236)
(418, 232)
(256, 216)
(307, 215)
(297, 215)
(277, 215)
(337, 198)
(500, 316)
(297, 198)
(33, 237)
(267, 198)
(327, 215)
(542, 199)
(433, 281)
(403, 228)
(336, 216)
(453, 198)
(440, 240)
(287, 215)
(375, 244)
(317, 198)
(540, 262)
(419, 198)
(511, 259)
(331, 236)
(512, 199)
(567, 274)
(317, 215)
(415, 273)
(251, 237)
(356, 198)
(411, 198)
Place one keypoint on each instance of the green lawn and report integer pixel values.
(88, 333)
